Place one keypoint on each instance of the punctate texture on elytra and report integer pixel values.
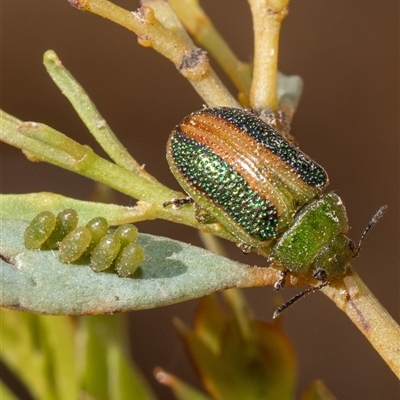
(263, 189)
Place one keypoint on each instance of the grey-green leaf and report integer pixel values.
(37, 281)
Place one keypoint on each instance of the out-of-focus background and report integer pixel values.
(347, 54)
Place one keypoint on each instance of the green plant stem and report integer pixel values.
(89, 114)
(267, 18)
(191, 63)
(6, 393)
(102, 356)
(354, 298)
(233, 297)
(42, 143)
(206, 35)
(237, 303)
(26, 206)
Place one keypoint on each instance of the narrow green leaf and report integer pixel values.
(261, 367)
(88, 112)
(40, 142)
(125, 380)
(181, 390)
(317, 391)
(23, 350)
(37, 281)
(27, 206)
(240, 310)
(209, 323)
(58, 335)
(91, 360)
(6, 393)
(106, 370)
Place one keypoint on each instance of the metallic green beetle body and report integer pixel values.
(262, 189)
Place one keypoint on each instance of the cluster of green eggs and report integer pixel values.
(94, 241)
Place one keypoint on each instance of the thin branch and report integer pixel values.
(166, 15)
(90, 116)
(354, 298)
(267, 18)
(42, 143)
(191, 62)
(206, 35)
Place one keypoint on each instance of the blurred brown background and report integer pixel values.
(347, 54)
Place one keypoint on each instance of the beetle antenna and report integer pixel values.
(298, 296)
(374, 220)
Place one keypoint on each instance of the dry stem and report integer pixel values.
(267, 18)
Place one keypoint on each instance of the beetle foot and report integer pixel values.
(202, 216)
(177, 203)
(244, 247)
(280, 283)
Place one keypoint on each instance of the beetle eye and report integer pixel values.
(320, 274)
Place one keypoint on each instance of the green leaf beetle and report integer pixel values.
(265, 191)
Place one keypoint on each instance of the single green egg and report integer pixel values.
(105, 252)
(74, 245)
(39, 230)
(129, 259)
(66, 221)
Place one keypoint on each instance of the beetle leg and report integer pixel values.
(298, 296)
(177, 203)
(280, 283)
(202, 216)
(244, 247)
